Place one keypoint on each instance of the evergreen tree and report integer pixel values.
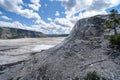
(114, 21)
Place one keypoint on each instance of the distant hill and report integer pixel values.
(12, 33)
(57, 35)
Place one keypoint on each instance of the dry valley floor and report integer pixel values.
(14, 50)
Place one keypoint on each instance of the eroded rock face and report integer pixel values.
(89, 27)
(81, 52)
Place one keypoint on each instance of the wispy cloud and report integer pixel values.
(0, 12)
(49, 19)
(35, 5)
(16, 6)
(57, 13)
(5, 17)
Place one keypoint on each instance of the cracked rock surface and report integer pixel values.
(81, 52)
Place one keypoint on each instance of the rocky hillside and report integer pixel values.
(12, 33)
(84, 50)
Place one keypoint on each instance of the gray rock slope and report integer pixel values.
(83, 51)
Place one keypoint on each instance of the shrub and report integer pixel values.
(10, 78)
(42, 72)
(115, 39)
(93, 76)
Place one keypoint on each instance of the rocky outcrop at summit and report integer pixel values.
(83, 51)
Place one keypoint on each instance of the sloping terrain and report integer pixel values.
(12, 33)
(83, 51)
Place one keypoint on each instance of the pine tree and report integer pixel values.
(114, 22)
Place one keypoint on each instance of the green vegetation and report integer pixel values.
(14, 35)
(0, 31)
(42, 72)
(0, 28)
(114, 21)
(115, 39)
(112, 24)
(1, 73)
(91, 76)
(10, 78)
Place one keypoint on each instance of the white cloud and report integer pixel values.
(57, 13)
(17, 24)
(52, 27)
(89, 4)
(29, 14)
(74, 6)
(91, 13)
(35, 1)
(63, 22)
(49, 19)
(5, 17)
(13, 6)
(16, 7)
(14, 24)
(0, 12)
(35, 5)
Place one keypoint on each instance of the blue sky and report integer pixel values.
(51, 16)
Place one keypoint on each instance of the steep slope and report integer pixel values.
(83, 51)
(11, 33)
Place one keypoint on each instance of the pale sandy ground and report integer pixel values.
(14, 50)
